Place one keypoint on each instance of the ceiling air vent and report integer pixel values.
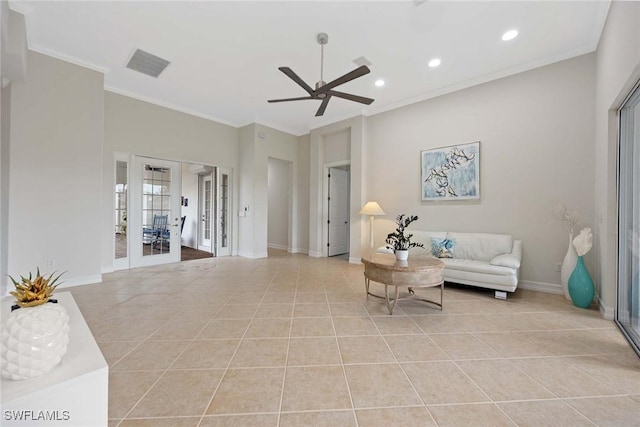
(146, 63)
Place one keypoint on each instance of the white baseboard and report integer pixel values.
(315, 254)
(608, 313)
(276, 246)
(354, 260)
(299, 251)
(78, 281)
(550, 288)
(252, 255)
(107, 269)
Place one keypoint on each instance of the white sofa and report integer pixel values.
(479, 259)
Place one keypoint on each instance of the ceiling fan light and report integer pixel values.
(510, 35)
(434, 62)
(379, 83)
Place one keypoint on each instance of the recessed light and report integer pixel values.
(379, 83)
(510, 35)
(434, 62)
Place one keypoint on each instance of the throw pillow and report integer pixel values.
(442, 248)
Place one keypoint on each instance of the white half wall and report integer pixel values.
(55, 201)
(536, 150)
(5, 126)
(618, 69)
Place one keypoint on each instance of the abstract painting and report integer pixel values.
(451, 173)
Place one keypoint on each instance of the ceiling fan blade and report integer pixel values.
(350, 97)
(323, 106)
(358, 72)
(291, 99)
(293, 76)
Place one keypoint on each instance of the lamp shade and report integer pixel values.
(371, 208)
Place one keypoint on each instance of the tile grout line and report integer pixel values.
(344, 370)
(286, 357)
(413, 387)
(206, 408)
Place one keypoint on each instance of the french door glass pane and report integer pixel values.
(628, 310)
(156, 210)
(121, 210)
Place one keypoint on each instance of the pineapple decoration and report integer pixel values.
(36, 334)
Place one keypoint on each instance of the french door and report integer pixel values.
(628, 305)
(206, 229)
(223, 212)
(154, 218)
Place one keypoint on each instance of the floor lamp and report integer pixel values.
(372, 209)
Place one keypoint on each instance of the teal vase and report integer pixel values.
(581, 287)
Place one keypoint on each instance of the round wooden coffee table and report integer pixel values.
(416, 272)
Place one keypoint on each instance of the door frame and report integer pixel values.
(325, 204)
(121, 263)
(212, 212)
(330, 199)
(218, 250)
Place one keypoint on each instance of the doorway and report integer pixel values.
(338, 210)
(166, 212)
(279, 204)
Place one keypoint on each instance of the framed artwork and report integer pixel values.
(451, 173)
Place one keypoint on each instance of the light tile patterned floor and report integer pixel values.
(292, 341)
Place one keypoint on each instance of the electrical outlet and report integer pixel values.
(558, 266)
(51, 263)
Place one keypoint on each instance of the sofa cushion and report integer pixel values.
(473, 266)
(481, 246)
(506, 260)
(442, 248)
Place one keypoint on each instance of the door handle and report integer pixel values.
(346, 222)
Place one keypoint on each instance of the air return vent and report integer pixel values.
(146, 63)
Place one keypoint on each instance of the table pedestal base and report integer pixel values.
(391, 302)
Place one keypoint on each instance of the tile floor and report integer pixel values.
(292, 341)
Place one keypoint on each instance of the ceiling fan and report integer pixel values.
(324, 91)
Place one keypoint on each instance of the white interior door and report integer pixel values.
(205, 232)
(154, 219)
(338, 212)
(223, 212)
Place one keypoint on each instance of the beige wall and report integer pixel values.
(618, 69)
(537, 149)
(56, 170)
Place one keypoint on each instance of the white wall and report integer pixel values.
(190, 191)
(246, 191)
(536, 149)
(618, 68)
(278, 203)
(56, 171)
(302, 181)
(137, 127)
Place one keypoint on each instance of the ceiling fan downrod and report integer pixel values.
(322, 39)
